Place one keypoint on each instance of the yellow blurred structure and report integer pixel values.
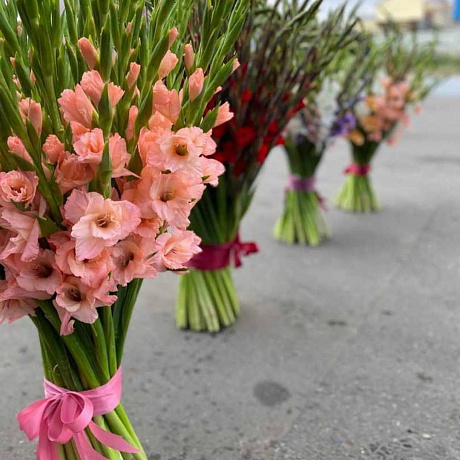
(414, 14)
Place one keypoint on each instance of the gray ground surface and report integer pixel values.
(348, 351)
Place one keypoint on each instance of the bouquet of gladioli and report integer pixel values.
(383, 113)
(104, 147)
(265, 93)
(326, 116)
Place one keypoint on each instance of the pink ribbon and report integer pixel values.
(358, 170)
(301, 184)
(218, 256)
(64, 415)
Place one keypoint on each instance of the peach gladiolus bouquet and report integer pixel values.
(384, 111)
(104, 151)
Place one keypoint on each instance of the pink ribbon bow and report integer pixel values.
(64, 415)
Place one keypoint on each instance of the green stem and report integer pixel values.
(109, 333)
(126, 315)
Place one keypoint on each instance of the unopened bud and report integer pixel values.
(189, 56)
(173, 34)
(133, 74)
(195, 84)
(88, 52)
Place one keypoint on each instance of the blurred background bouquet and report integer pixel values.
(282, 51)
(400, 83)
(328, 115)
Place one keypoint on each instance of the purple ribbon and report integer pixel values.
(305, 184)
(301, 184)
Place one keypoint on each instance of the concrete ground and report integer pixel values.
(347, 351)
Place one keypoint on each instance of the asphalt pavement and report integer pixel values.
(347, 351)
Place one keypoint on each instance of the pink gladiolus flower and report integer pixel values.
(90, 147)
(53, 149)
(236, 65)
(132, 259)
(13, 309)
(174, 250)
(41, 274)
(133, 74)
(32, 110)
(72, 173)
(168, 63)
(93, 272)
(93, 85)
(224, 115)
(88, 52)
(16, 146)
(119, 155)
(13, 290)
(212, 169)
(27, 232)
(166, 102)
(80, 301)
(174, 151)
(99, 223)
(77, 107)
(196, 83)
(189, 56)
(168, 196)
(19, 187)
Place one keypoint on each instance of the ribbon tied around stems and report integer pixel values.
(307, 185)
(64, 415)
(218, 256)
(358, 170)
(301, 184)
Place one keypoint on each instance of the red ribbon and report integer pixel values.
(358, 170)
(64, 415)
(218, 256)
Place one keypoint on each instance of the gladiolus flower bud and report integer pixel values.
(173, 34)
(88, 52)
(189, 56)
(133, 74)
(196, 83)
(33, 111)
(167, 64)
(236, 65)
(223, 115)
